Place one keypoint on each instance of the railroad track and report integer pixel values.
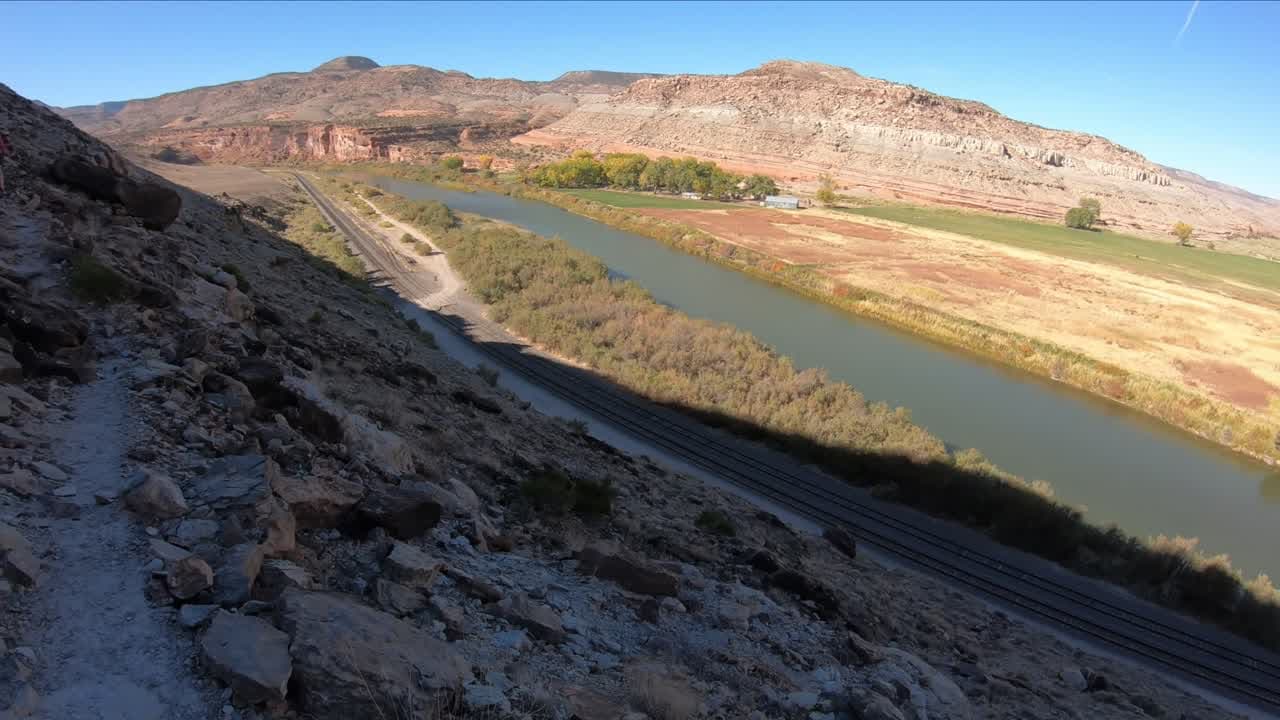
(1031, 586)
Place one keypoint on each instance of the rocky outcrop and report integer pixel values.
(797, 120)
(349, 660)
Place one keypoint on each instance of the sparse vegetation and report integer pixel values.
(242, 282)
(488, 374)
(826, 190)
(308, 228)
(1183, 231)
(716, 522)
(452, 162)
(93, 281)
(555, 492)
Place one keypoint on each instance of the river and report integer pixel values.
(1125, 468)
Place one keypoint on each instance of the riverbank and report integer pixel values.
(1168, 571)
(1250, 433)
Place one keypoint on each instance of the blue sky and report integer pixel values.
(1207, 102)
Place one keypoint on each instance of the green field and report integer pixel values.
(1196, 265)
(645, 200)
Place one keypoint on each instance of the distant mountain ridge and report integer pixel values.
(794, 120)
(797, 120)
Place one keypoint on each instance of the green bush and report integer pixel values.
(242, 282)
(557, 493)
(95, 282)
(408, 239)
(716, 522)
(453, 162)
(321, 226)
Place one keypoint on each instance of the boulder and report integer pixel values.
(318, 502)
(928, 692)
(155, 205)
(806, 588)
(397, 599)
(236, 573)
(20, 482)
(282, 529)
(541, 621)
(155, 496)
(277, 576)
(608, 561)
(191, 532)
(10, 368)
(188, 577)
(18, 562)
(248, 655)
(238, 306)
(406, 511)
(473, 586)
(385, 449)
(191, 344)
(236, 397)
(194, 616)
(410, 566)
(261, 376)
(351, 661)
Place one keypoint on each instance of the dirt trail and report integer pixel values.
(105, 653)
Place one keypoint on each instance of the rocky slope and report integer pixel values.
(348, 108)
(234, 484)
(796, 120)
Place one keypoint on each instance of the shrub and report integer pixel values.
(452, 162)
(1084, 215)
(826, 190)
(488, 374)
(316, 316)
(716, 522)
(321, 226)
(242, 282)
(408, 239)
(1183, 231)
(593, 498)
(557, 493)
(95, 282)
(386, 224)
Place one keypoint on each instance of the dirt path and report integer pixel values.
(448, 285)
(105, 653)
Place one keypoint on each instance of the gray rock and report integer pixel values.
(105, 497)
(879, 707)
(236, 573)
(65, 491)
(541, 621)
(486, 697)
(349, 658)
(455, 621)
(316, 502)
(473, 586)
(929, 692)
(191, 532)
(20, 482)
(517, 640)
(396, 598)
(803, 700)
(189, 577)
(49, 471)
(1074, 679)
(156, 496)
(167, 552)
(249, 655)
(405, 511)
(18, 562)
(194, 616)
(410, 566)
(277, 576)
(607, 560)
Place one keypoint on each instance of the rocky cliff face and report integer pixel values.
(796, 120)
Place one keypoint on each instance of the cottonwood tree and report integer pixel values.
(826, 190)
(1183, 231)
(1084, 215)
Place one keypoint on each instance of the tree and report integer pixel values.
(452, 162)
(826, 190)
(1084, 215)
(1183, 231)
(484, 162)
(760, 186)
(624, 169)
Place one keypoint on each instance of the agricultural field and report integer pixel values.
(1196, 265)
(1205, 321)
(646, 200)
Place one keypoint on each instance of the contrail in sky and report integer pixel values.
(1190, 14)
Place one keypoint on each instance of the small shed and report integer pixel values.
(690, 196)
(788, 202)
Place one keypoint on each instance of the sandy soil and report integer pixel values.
(1215, 344)
(247, 184)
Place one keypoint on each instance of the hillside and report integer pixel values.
(238, 484)
(796, 120)
(346, 109)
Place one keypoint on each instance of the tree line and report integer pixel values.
(635, 171)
